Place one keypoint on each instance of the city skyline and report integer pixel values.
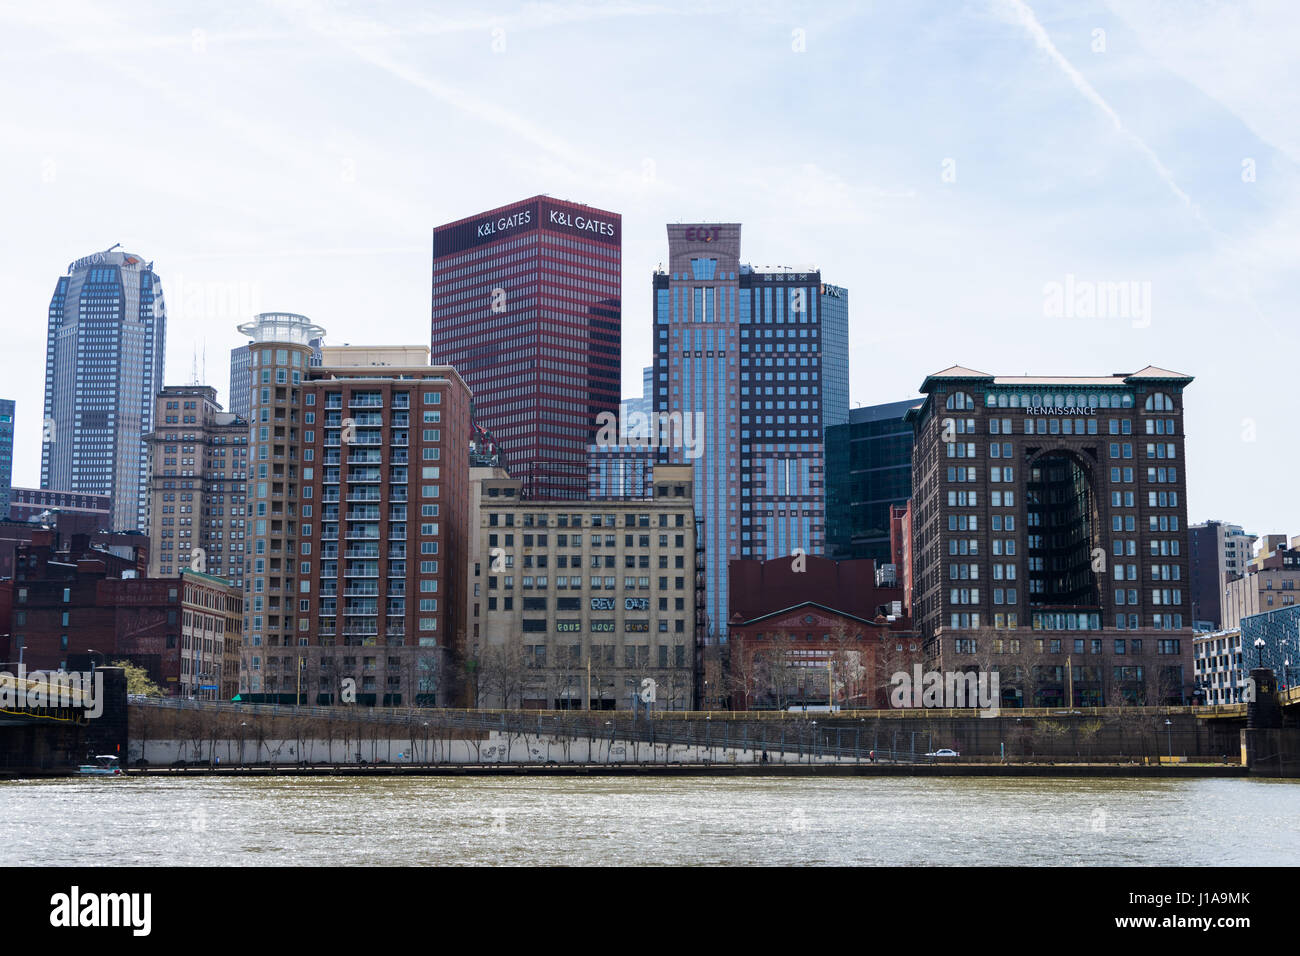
(1156, 153)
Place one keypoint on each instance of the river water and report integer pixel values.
(655, 820)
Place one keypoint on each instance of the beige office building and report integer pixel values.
(582, 605)
(198, 469)
(1272, 581)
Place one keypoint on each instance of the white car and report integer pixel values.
(945, 752)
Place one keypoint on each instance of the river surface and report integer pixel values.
(330, 821)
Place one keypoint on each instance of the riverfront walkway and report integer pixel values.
(1175, 771)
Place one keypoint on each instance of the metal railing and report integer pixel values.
(798, 735)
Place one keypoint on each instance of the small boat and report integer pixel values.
(105, 765)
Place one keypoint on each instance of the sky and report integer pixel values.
(956, 165)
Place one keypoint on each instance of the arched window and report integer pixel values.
(960, 402)
(1159, 402)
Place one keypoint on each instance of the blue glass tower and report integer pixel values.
(759, 356)
(103, 367)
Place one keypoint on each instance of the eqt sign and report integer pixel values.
(702, 233)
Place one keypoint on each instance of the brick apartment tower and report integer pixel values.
(527, 308)
(280, 350)
(385, 511)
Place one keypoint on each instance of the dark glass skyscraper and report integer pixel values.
(868, 468)
(760, 355)
(103, 366)
(6, 455)
(527, 308)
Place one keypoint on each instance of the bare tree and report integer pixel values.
(746, 676)
(142, 719)
(893, 655)
(504, 674)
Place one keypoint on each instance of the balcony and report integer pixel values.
(361, 573)
(375, 457)
(397, 551)
(365, 514)
(367, 438)
(362, 552)
(362, 534)
(365, 401)
(362, 591)
(366, 475)
(364, 494)
(399, 458)
(361, 630)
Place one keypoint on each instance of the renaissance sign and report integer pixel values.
(1031, 410)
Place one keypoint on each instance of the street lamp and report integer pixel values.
(1169, 734)
(1259, 652)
